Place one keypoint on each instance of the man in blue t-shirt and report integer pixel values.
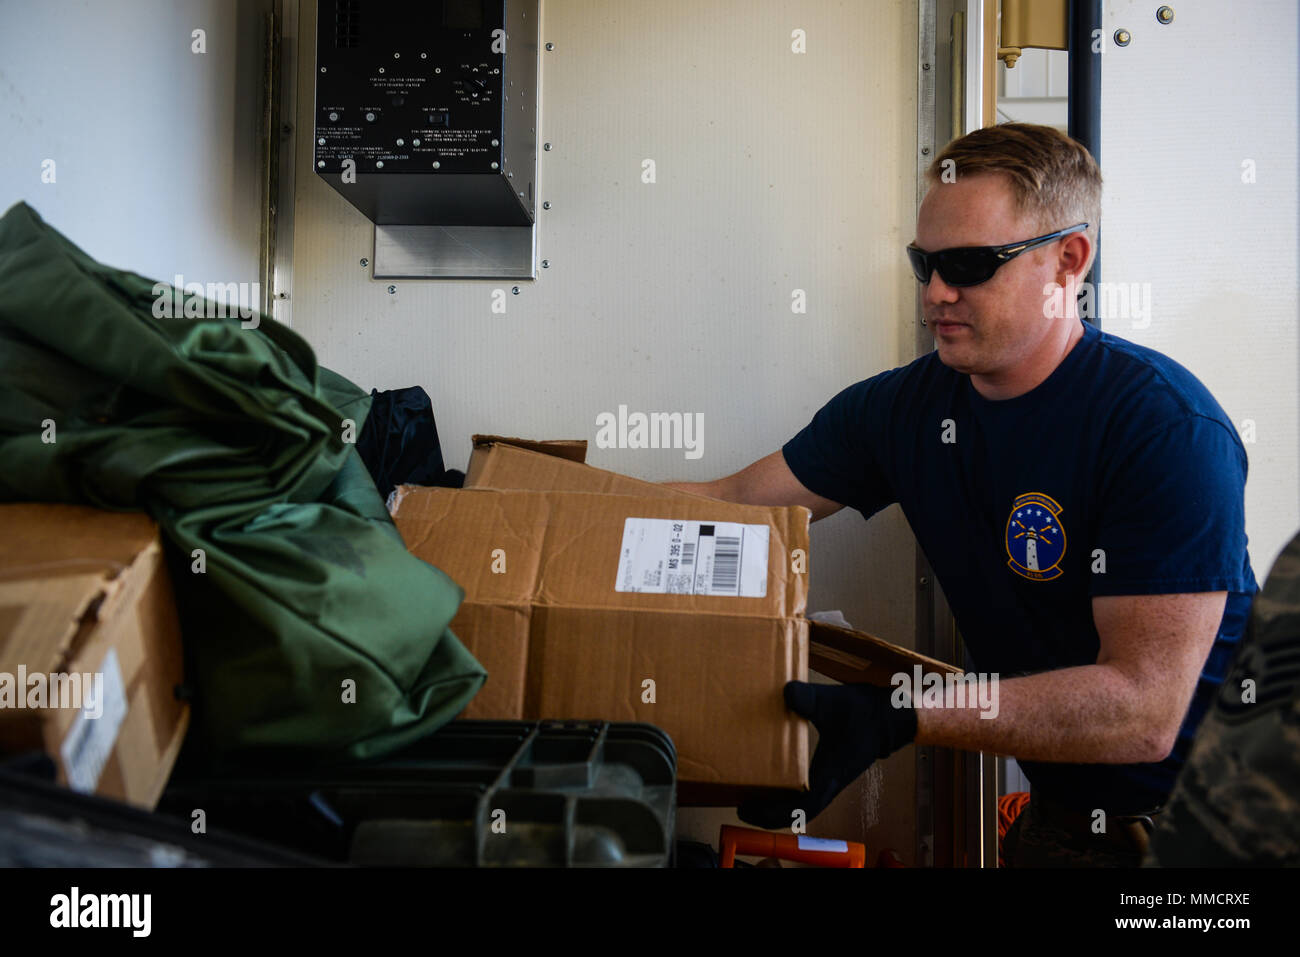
(1079, 497)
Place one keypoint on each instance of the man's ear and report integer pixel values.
(1074, 258)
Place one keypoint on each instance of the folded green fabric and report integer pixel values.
(312, 630)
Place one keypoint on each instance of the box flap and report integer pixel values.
(40, 619)
(852, 656)
(497, 465)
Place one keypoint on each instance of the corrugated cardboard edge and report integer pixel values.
(575, 450)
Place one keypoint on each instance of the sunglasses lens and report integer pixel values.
(920, 266)
(966, 267)
(957, 267)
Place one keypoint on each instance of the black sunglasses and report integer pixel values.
(972, 265)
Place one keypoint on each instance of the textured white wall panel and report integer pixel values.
(1188, 110)
(155, 147)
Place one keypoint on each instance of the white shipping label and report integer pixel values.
(90, 741)
(665, 556)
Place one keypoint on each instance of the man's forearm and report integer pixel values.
(1086, 714)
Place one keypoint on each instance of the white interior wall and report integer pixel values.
(155, 147)
(775, 171)
(1187, 111)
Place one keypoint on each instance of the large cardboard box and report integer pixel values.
(90, 651)
(569, 605)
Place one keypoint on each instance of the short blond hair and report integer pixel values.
(1054, 179)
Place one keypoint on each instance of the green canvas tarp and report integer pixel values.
(308, 627)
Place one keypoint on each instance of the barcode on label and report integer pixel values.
(726, 564)
(688, 553)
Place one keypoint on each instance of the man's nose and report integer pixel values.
(937, 291)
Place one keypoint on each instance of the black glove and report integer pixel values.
(856, 725)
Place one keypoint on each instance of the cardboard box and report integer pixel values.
(86, 592)
(544, 614)
(502, 462)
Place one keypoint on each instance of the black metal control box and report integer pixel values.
(426, 110)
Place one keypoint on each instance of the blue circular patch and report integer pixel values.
(1035, 537)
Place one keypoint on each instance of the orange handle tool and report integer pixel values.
(789, 847)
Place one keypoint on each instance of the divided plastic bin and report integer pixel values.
(477, 793)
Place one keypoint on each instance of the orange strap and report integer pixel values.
(1009, 808)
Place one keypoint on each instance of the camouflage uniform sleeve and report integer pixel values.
(1237, 799)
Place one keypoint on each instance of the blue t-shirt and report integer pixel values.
(1117, 475)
